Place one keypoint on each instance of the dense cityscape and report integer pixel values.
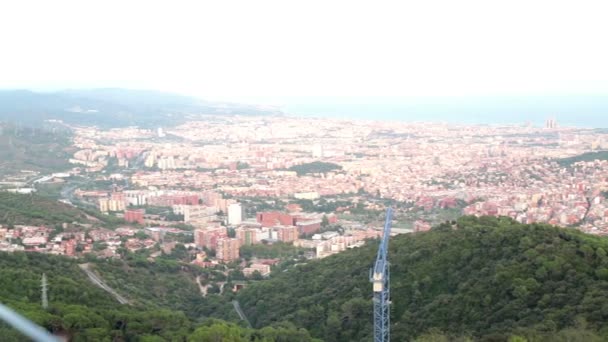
(225, 182)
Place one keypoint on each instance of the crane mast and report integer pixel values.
(380, 279)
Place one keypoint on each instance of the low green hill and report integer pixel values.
(32, 209)
(486, 278)
(314, 167)
(35, 210)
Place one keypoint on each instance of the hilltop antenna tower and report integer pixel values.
(45, 298)
(380, 278)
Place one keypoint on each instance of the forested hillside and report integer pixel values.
(168, 284)
(83, 312)
(486, 278)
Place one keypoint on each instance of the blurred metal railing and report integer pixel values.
(25, 326)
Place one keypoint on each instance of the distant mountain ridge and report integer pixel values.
(43, 148)
(113, 107)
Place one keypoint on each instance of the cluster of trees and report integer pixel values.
(242, 165)
(221, 331)
(314, 167)
(323, 205)
(585, 157)
(256, 204)
(481, 278)
(574, 334)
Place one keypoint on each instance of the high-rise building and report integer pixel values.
(150, 160)
(248, 236)
(199, 235)
(227, 249)
(287, 234)
(117, 202)
(317, 151)
(235, 214)
(135, 197)
(103, 205)
(209, 237)
(135, 215)
(197, 213)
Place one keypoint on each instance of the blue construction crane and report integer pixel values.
(380, 278)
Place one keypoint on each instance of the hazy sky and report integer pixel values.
(231, 49)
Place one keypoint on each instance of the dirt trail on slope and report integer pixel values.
(95, 279)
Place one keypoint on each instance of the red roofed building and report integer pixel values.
(293, 207)
(273, 218)
(309, 227)
(70, 247)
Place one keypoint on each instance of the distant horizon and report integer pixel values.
(578, 110)
(585, 111)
